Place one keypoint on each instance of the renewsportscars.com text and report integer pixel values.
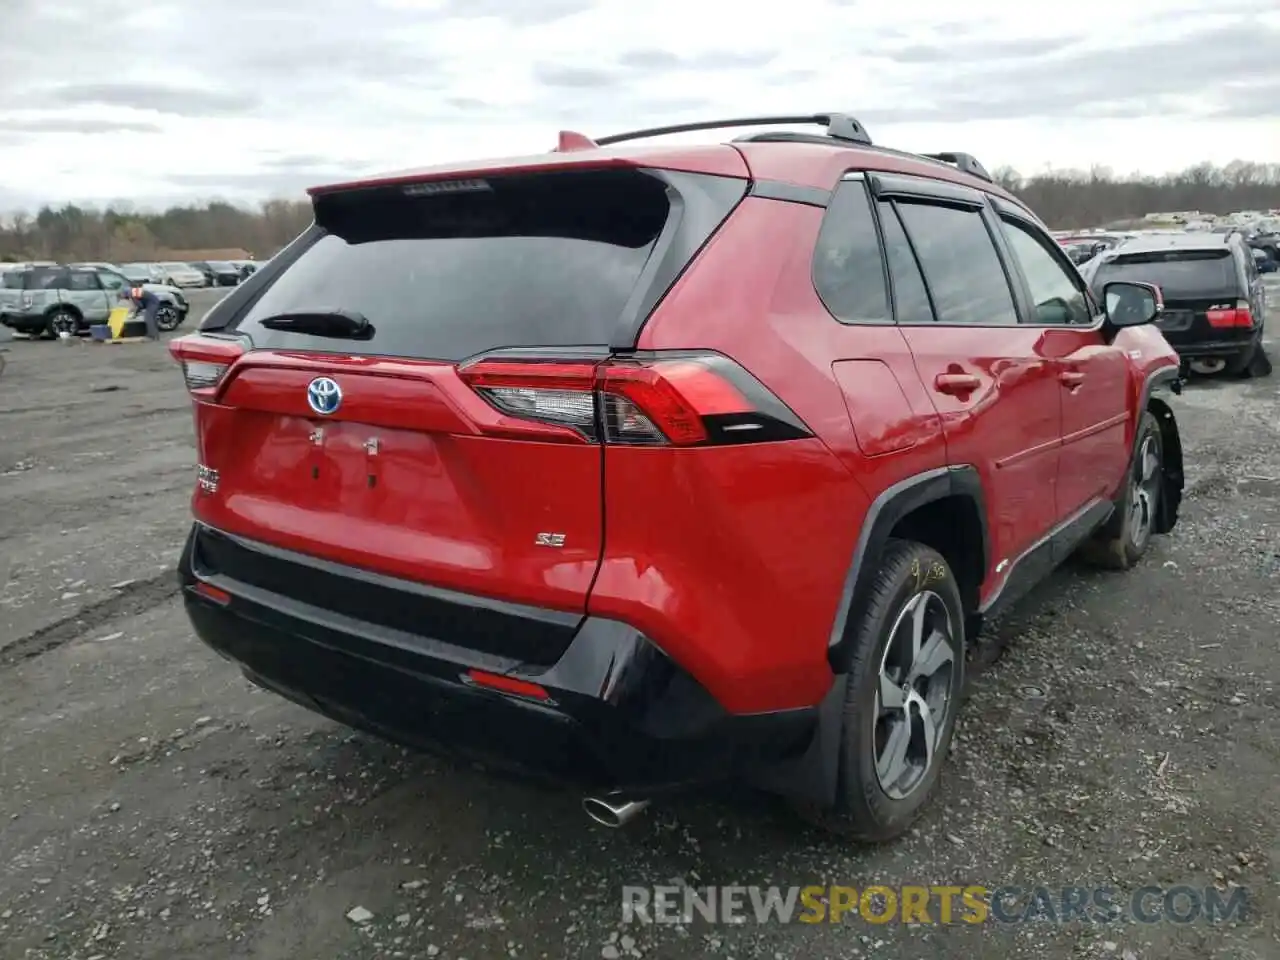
(935, 904)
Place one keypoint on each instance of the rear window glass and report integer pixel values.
(1178, 273)
(446, 272)
(12, 279)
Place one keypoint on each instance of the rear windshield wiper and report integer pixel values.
(340, 324)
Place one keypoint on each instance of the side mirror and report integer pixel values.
(1129, 304)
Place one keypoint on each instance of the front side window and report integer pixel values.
(960, 264)
(1058, 298)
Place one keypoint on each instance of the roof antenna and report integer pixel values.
(571, 140)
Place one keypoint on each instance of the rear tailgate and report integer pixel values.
(377, 452)
(1194, 283)
(29, 291)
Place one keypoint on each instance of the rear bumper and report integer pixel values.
(621, 717)
(23, 322)
(1216, 348)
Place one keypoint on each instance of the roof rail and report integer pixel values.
(964, 162)
(839, 126)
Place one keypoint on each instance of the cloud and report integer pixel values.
(253, 97)
(979, 51)
(1144, 79)
(159, 97)
(657, 59)
(1250, 101)
(559, 75)
(520, 13)
(86, 125)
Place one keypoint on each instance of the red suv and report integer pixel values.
(637, 466)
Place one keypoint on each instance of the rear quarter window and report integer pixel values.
(535, 260)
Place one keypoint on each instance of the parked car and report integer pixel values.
(1264, 263)
(1215, 300)
(181, 275)
(53, 300)
(138, 273)
(245, 268)
(640, 468)
(1267, 243)
(219, 273)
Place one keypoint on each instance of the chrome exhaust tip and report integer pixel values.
(613, 814)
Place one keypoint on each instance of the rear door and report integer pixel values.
(993, 380)
(86, 293)
(388, 451)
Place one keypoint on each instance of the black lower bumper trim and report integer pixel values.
(621, 716)
(1213, 348)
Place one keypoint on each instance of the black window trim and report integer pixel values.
(945, 193)
(1096, 315)
(859, 177)
(915, 258)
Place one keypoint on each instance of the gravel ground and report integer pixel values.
(155, 805)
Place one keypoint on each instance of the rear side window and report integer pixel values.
(447, 271)
(1179, 273)
(46, 278)
(13, 279)
(960, 265)
(848, 271)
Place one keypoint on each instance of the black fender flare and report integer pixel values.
(814, 775)
(882, 516)
(1170, 441)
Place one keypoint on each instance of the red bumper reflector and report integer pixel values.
(213, 593)
(519, 688)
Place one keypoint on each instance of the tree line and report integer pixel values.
(1063, 199)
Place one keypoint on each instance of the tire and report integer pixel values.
(60, 319)
(168, 317)
(873, 804)
(1124, 539)
(1241, 365)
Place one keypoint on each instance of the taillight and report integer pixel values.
(204, 360)
(1238, 316)
(659, 399)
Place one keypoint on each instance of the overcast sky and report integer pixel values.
(102, 100)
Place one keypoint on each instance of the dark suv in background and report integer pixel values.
(1214, 297)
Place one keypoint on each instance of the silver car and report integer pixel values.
(55, 300)
(182, 275)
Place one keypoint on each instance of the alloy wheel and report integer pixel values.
(166, 317)
(914, 699)
(1144, 493)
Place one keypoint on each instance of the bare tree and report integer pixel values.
(1063, 198)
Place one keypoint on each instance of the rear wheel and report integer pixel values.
(1124, 539)
(59, 321)
(902, 695)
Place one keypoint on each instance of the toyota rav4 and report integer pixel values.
(636, 466)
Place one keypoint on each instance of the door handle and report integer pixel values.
(1071, 378)
(956, 383)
